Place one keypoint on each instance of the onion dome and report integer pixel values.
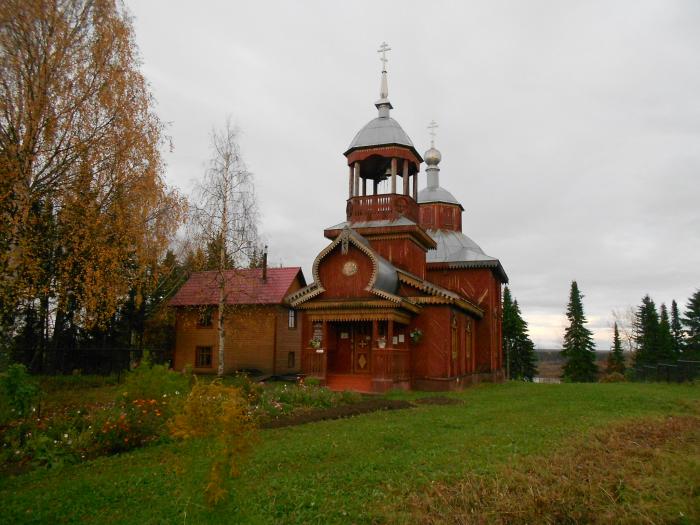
(433, 192)
(383, 130)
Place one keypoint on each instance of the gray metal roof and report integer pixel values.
(436, 194)
(401, 221)
(387, 280)
(379, 131)
(460, 251)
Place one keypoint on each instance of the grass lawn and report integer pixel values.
(358, 470)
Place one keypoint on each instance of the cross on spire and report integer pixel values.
(432, 127)
(383, 49)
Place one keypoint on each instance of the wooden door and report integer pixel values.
(362, 344)
(342, 358)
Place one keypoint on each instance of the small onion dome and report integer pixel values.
(432, 157)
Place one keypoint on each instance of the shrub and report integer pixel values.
(19, 392)
(149, 381)
(218, 411)
(614, 377)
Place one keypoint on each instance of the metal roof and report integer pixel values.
(459, 251)
(436, 194)
(380, 131)
(243, 286)
(401, 221)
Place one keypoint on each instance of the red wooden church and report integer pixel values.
(400, 297)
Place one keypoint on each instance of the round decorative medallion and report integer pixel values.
(350, 268)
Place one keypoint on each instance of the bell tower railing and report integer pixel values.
(384, 207)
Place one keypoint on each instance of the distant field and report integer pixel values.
(418, 464)
(551, 362)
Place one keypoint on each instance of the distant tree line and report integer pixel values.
(661, 337)
(657, 336)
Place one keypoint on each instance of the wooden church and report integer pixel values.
(401, 297)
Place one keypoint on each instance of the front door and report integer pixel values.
(362, 343)
(342, 360)
(352, 349)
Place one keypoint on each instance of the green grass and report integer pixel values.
(338, 471)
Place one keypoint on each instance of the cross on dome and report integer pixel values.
(432, 126)
(383, 48)
(383, 104)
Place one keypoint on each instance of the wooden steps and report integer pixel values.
(352, 382)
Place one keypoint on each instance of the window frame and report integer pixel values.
(198, 350)
(292, 319)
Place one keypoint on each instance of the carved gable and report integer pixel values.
(345, 272)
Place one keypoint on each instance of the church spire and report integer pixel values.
(433, 158)
(383, 104)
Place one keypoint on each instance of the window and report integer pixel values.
(202, 357)
(205, 318)
(291, 359)
(292, 319)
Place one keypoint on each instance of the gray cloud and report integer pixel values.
(570, 131)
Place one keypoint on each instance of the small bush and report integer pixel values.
(19, 392)
(218, 411)
(149, 381)
(614, 377)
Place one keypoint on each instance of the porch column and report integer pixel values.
(394, 163)
(415, 186)
(364, 187)
(351, 182)
(390, 334)
(324, 345)
(405, 177)
(357, 179)
(376, 186)
(375, 333)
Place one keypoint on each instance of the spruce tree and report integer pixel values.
(616, 357)
(518, 349)
(523, 357)
(691, 320)
(647, 333)
(676, 328)
(579, 349)
(666, 350)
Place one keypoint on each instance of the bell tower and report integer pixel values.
(382, 205)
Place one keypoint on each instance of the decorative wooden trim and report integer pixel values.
(360, 315)
(346, 237)
(445, 296)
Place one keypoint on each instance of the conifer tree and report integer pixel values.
(666, 350)
(508, 329)
(676, 328)
(616, 358)
(691, 320)
(579, 349)
(523, 358)
(647, 333)
(518, 348)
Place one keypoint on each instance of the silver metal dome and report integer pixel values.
(379, 131)
(436, 194)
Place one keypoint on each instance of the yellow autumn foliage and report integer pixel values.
(220, 412)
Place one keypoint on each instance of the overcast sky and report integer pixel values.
(570, 130)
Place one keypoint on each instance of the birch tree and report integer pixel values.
(225, 216)
(84, 210)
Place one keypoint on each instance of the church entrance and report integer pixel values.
(352, 350)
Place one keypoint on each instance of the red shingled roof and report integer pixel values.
(243, 286)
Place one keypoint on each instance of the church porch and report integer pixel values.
(364, 355)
